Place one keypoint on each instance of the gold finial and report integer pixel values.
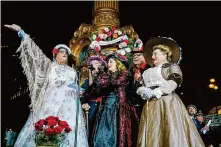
(106, 13)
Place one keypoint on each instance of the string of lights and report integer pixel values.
(213, 84)
(4, 46)
(19, 93)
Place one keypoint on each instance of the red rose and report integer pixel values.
(98, 39)
(103, 57)
(38, 127)
(49, 131)
(96, 49)
(55, 51)
(67, 129)
(52, 117)
(63, 124)
(58, 130)
(109, 34)
(41, 122)
(113, 29)
(51, 121)
(126, 41)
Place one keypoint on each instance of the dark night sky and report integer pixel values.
(196, 26)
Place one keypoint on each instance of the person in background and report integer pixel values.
(10, 138)
(207, 136)
(192, 110)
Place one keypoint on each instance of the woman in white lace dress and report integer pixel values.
(52, 92)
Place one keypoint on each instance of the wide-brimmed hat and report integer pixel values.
(174, 47)
(120, 57)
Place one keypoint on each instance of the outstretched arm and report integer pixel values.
(34, 63)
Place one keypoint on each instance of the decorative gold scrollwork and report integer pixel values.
(129, 30)
(106, 19)
(84, 29)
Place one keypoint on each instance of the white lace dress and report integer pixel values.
(50, 95)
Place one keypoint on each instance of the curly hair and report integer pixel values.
(120, 66)
(165, 49)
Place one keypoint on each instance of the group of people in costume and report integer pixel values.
(130, 104)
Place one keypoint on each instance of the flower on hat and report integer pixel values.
(55, 51)
(103, 57)
(61, 46)
(96, 49)
(122, 57)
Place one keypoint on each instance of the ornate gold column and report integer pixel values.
(106, 14)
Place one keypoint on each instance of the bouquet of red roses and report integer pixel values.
(51, 129)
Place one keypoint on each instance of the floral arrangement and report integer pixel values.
(108, 36)
(51, 129)
(111, 36)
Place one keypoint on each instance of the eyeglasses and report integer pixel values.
(63, 52)
(138, 55)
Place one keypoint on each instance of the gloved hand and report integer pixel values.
(145, 93)
(14, 27)
(86, 106)
(157, 93)
(18, 29)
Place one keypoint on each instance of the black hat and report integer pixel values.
(199, 113)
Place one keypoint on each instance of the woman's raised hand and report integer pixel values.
(13, 27)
